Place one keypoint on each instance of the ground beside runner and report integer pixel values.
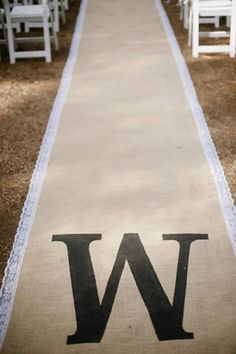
(28, 89)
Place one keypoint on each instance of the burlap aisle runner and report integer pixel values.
(129, 252)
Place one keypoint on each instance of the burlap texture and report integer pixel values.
(127, 159)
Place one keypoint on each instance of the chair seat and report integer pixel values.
(215, 12)
(29, 11)
(215, 7)
(213, 3)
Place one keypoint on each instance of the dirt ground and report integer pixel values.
(27, 91)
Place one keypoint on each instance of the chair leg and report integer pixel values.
(11, 45)
(3, 26)
(54, 33)
(63, 14)
(56, 15)
(195, 36)
(10, 35)
(232, 42)
(186, 14)
(27, 27)
(190, 27)
(66, 4)
(55, 37)
(228, 21)
(47, 44)
(180, 3)
(217, 21)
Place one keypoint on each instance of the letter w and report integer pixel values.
(92, 317)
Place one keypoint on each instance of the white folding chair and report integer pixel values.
(207, 8)
(32, 13)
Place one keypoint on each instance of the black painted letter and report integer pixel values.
(92, 317)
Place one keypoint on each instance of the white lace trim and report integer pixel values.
(7, 292)
(225, 198)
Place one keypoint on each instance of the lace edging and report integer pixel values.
(8, 289)
(225, 198)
